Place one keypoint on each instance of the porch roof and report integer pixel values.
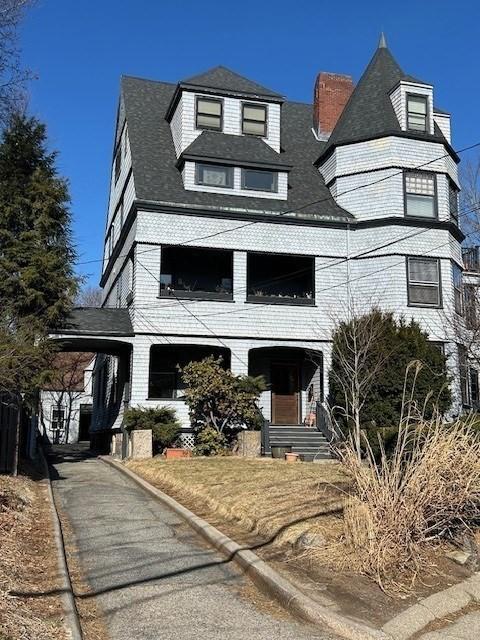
(97, 321)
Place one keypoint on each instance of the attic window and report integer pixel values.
(214, 175)
(254, 119)
(417, 110)
(209, 114)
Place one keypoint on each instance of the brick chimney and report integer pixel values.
(331, 93)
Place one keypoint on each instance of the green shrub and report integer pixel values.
(386, 347)
(219, 399)
(162, 421)
(387, 436)
(209, 442)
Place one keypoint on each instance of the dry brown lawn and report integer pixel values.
(28, 563)
(271, 498)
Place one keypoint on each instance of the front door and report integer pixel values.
(285, 393)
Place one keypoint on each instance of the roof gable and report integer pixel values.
(225, 80)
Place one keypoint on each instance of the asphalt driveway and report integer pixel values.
(151, 576)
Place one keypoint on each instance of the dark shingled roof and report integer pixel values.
(237, 150)
(369, 112)
(225, 80)
(102, 321)
(158, 179)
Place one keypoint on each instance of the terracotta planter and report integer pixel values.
(291, 457)
(177, 453)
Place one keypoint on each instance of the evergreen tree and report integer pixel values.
(37, 282)
(397, 345)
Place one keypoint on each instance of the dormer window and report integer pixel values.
(420, 194)
(417, 112)
(214, 175)
(254, 119)
(256, 180)
(209, 114)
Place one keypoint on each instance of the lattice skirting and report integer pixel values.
(187, 439)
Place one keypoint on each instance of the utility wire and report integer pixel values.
(332, 263)
(321, 268)
(301, 207)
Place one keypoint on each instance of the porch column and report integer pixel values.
(140, 363)
(239, 275)
(239, 359)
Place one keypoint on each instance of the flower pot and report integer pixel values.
(279, 450)
(291, 457)
(172, 453)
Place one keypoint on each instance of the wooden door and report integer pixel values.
(285, 381)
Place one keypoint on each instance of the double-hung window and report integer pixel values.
(420, 194)
(254, 119)
(417, 113)
(423, 282)
(214, 175)
(209, 114)
(453, 202)
(458, 289)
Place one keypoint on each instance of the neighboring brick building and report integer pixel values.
(241, 223)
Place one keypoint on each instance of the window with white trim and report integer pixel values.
(254, 119)
(420, 194)
(58, 418)
(417, 113)
(214, 175)
(209, 114)
(423, 282)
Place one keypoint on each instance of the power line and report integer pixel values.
(321, 268)
(341, 284)
(296, 209)
(332, 263)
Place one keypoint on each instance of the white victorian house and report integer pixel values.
(241, 224)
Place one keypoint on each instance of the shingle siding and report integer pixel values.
(354, 260)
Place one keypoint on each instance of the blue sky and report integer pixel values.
(79, 50)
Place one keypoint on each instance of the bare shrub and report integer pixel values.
(426, 492)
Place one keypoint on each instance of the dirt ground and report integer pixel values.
(30, 606)
(268, 504)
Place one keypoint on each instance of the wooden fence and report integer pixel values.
(10, 415)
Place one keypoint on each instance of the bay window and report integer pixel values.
(420, 194)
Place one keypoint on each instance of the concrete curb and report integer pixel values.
(72, 620)
(266, 578)
(435, 607)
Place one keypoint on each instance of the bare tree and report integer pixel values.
(67, 385)
(13, 77)
(357, 362)
(89, 297)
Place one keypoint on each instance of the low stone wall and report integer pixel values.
(141, 444)
(249, 444)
